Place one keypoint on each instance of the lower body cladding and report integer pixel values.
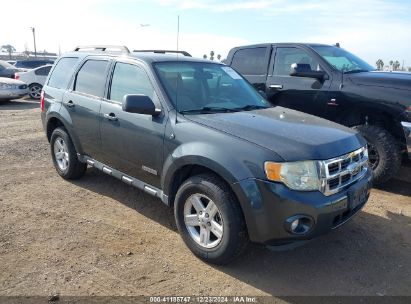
(125, 178)
(276, 215)
(407, 131)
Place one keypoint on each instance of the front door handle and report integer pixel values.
(111, 116)
(276, 86)
(70, 104)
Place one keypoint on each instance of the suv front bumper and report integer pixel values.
(407, 132)
(267, 206)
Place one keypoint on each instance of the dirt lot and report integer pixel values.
(98, 236)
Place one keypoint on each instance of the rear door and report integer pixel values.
(83, 103)
(252, 63)
(132, 143)
(300, 93)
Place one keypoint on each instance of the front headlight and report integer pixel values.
(302, 175)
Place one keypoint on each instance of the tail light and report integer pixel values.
(42, 101)
(16, 76)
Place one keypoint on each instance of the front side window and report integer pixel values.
(195, 87)
(250, 61)
(91, 78)
(62, 72)
(286, 56)
(342, 60)
(130, 79)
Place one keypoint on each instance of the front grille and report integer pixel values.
(337, 173)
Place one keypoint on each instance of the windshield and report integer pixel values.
(342, 60)
(197, 87)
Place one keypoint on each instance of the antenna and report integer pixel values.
(178, 76)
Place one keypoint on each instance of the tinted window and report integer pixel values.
(285, 57)
(62, 72)
(43, 71)
(92, 77)
(250, 61)
(130, 79)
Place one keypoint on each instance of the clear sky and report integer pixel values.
(372, 29)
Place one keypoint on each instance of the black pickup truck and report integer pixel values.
(329, 82)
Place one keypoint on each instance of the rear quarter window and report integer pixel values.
(62, 72)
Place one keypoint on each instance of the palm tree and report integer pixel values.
(380, 64)
(205, 56)
(219, 57)
(391, 63)
(396, 65)
(212, 55)
(8, 48)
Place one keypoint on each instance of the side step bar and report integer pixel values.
(125, 178)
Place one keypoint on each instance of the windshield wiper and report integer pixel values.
(250, 107)
(355, 71)
(208, 110)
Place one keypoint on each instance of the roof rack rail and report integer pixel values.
(163, 52)
(103, 48)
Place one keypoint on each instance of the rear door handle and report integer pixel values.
(111, 116)
(70, 104)
(276, 86)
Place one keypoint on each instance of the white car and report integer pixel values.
(34, 79)
(12, 89)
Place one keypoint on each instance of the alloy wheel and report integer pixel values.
(61, 153)
(203, 221)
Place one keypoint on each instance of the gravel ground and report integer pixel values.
(98, 236)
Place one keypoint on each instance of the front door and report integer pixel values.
(132, 143)
(300, 93)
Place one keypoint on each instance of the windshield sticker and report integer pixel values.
(233, 74)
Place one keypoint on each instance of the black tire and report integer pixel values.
(234, 238)
(384, 152)
(75, 169)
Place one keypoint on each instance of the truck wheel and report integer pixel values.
(383, 152)
(210, 220)
(64, 155)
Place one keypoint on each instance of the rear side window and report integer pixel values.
(250, 61)
(130, 79)
(62, 72)
(43, 71)
(91, 78)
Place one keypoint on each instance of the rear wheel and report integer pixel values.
(64, 155)
(383, 152)
(210, 220)
(35, 90)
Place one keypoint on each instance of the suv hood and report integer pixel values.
(395, 80)
(291, 134)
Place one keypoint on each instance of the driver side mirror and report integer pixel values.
(304, 70)
(140, 104)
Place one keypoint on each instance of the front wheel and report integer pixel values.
(383, 152)
(210, 220)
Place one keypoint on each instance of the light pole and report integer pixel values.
(34, 39)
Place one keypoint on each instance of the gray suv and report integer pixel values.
(198, 136)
